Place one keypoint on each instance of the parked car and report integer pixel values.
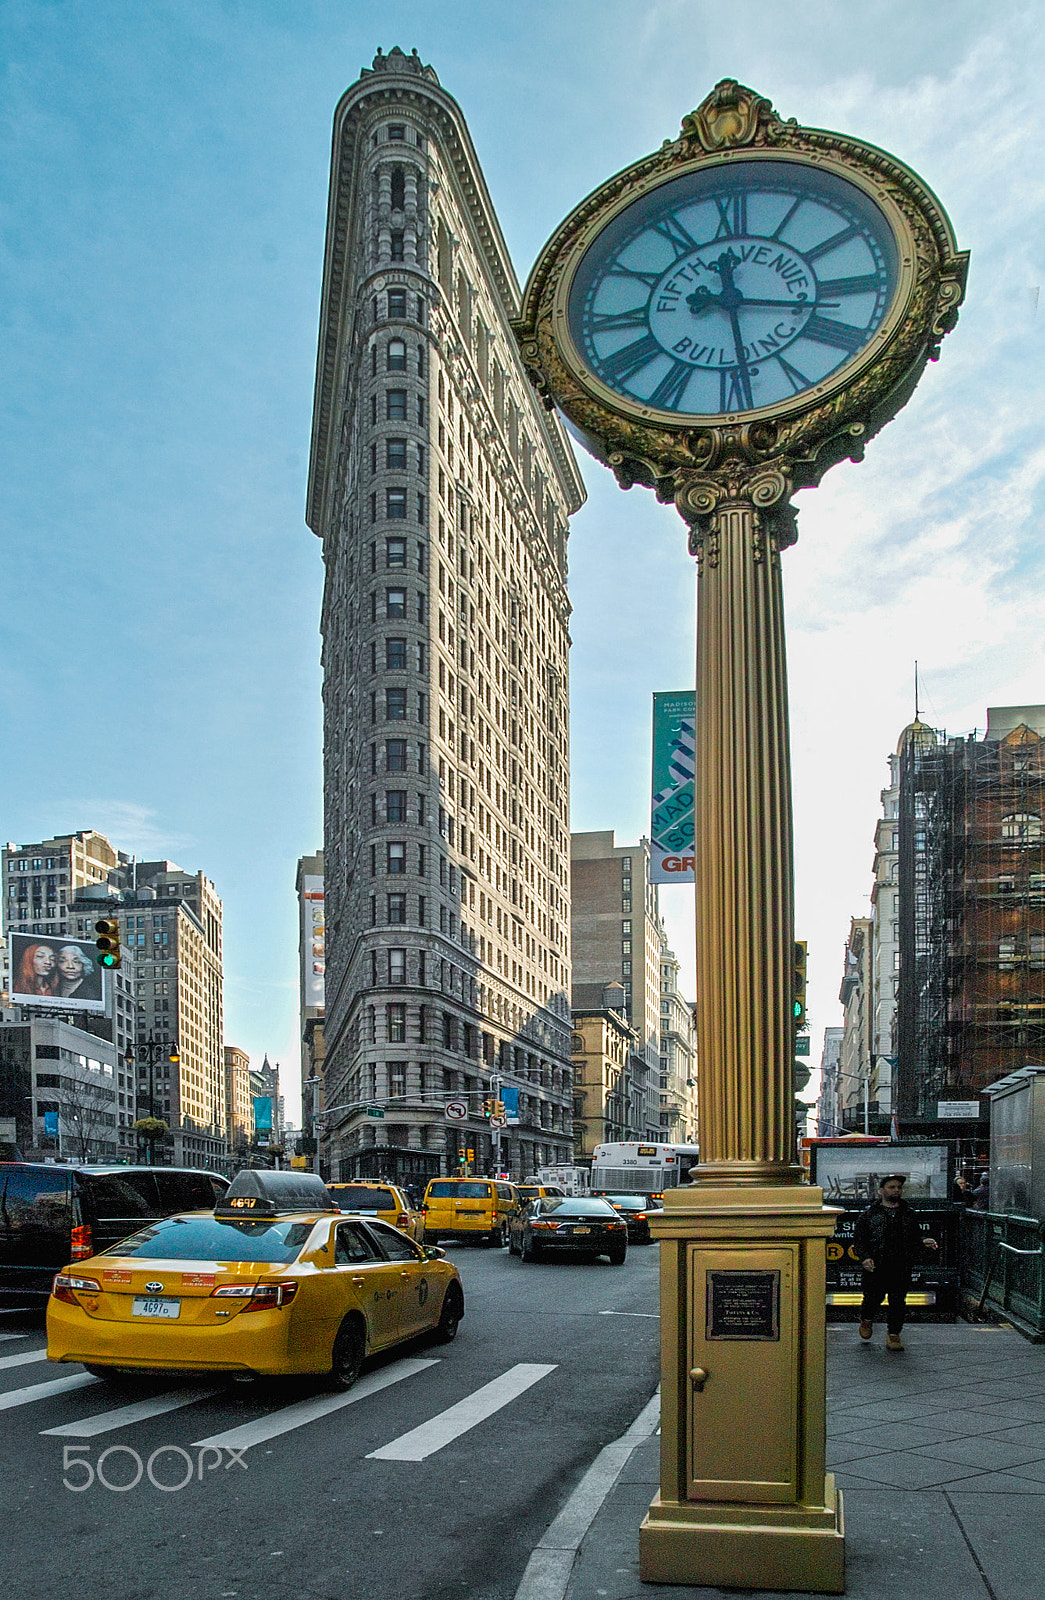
(580, 1224)
(51, 1215)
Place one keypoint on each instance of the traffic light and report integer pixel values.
(488, 1107)
(108, 942)
(799, 983)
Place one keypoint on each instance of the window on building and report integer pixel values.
(396, 355)
(395, 755)
(398, 201)
(1021, 826)
(395, 455)
(396, 908)
(396, 300)
(395, 405)
(395, 603)
(395, 510)
(395, 805)
(1006, 951)
(395, 655)
(397, 966)
(395, 705)
(398, 242)
(396, 856)
(397, 131)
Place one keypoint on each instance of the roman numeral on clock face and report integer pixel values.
(734, 389)
(669, 390)
(796, 379)
(671, 229)
(835, 240)
(869, 283)
(605, 321)
(624, 363)
(732, 215)
(840, 335)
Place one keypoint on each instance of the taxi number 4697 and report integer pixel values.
(156, 1308)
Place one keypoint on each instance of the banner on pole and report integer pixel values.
(671, 814)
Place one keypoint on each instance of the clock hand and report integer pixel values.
(731, 299)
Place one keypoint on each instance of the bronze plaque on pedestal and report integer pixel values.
(743, 1305)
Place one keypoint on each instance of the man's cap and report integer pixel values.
(892, 1177)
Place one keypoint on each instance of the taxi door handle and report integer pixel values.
(359, 1282)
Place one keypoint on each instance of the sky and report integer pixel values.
(165, 172)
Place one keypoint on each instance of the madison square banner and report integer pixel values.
(671, 823)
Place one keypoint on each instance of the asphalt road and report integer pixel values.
(553, 1360)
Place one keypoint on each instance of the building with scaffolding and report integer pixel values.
(971, 913)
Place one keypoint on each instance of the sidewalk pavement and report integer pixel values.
(940, 1453)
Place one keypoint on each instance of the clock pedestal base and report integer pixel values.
(745, 1501)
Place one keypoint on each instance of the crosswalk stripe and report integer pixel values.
(23, 1359)
(42, 1391)
(296, 1416)
(475, 1408)
(137, 1411)
(14, 1336)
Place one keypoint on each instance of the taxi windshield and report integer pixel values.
(203, 1238)
(458, 1189)
(357, 1197)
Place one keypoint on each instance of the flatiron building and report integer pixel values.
(441, 490)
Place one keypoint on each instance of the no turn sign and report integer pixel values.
(456, 1110)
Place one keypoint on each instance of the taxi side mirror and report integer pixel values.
(434, 1252)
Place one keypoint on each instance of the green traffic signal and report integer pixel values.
(108, 942)
(799, 983)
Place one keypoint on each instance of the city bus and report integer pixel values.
(637, 1168)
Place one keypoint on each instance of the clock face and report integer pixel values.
(733, 287)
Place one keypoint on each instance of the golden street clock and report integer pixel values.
(734, 287)
(751, 274)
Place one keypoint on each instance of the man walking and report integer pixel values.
(888, 1241)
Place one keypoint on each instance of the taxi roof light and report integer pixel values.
(259, 1192)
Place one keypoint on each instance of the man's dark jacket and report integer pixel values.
(890, 1238)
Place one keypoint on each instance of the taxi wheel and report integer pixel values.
(112, 1375)
(348, 1353)
(450, 1316)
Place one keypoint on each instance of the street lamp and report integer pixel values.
(150, 1051)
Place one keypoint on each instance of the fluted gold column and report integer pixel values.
(744, 875)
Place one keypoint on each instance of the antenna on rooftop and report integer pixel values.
(916, 691)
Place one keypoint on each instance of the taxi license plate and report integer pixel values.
(144, 1307)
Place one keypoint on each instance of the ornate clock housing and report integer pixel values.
(755, 298)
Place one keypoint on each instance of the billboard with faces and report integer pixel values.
(53, 971)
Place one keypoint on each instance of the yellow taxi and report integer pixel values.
(539, 1191)
(479, 1209)
(383, 1200)
(275, 1280)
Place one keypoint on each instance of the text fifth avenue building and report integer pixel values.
(441, 491)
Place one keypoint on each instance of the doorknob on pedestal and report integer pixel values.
(698, 1378)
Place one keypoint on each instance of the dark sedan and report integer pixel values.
(636, 1212)
(582, 1225)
